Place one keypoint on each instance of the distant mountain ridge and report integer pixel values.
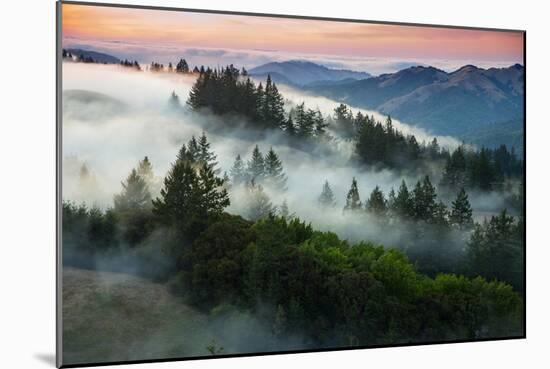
(455, 103)
(95, 55)
(302, 73)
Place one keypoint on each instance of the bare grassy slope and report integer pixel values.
(113, 317)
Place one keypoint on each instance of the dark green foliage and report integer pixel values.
(424, 201)
(224, 91)
(376, 203)
(363, 294)
(272, 106)
(289, 127)
(190, 198)
(306, 120)
(383, 145)
(454, 175)
(484, 169)
(273, 171)
(461, 213)
(353, 200)
(205, 155)
(496, 249)
(326, 199)
(88, 230)
(215, 261)
(256, 165)
(344, 123)
(403, 206)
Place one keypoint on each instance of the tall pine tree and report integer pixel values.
(461, 212)
(326, 199)
(256, 166)
(376, 203)
(273, 171)
(353, 200)
(238, 171)
(135, 194)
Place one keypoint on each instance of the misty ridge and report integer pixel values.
(157, 121)
(319, 171)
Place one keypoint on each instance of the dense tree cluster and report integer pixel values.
(261, 169)
(156, 67)
(419, 205)
(485, 169)
(338, 293)
(130, 64)
(496, 249)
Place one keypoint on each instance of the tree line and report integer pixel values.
(417, 204)
(319, 286)
(231, 91)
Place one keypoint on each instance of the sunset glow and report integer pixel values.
(172, 29)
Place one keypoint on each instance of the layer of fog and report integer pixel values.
(144, 125)
(375, 65)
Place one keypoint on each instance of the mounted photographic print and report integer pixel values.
(245, 184)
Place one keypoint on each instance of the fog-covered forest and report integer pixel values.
(257, 204)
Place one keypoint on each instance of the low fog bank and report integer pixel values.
(109, 127)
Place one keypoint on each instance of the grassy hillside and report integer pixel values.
(112, 317)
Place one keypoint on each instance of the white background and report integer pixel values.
(27, 196)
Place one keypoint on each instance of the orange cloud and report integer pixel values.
(293, 35)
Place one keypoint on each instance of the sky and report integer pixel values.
(213, 39)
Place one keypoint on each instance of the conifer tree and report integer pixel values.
(441, 214)
(305, 122)
(273, 171)
(284, 211)
(289, 126)
(256, 166)
(260, 102)
(182, 66)
(424, 200)
(403, 205)
(145, 171)
(343, 121)
(174, 101)
(320, 124)
(376, 203)
(434, 149)
(190, 198)
(238, 171)
(353, 200)
(135, 194)
(193, 150)
(454, 174)
(461, 212)
(258, 205)
(326, 199)
(391, 201)
(205, 155)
